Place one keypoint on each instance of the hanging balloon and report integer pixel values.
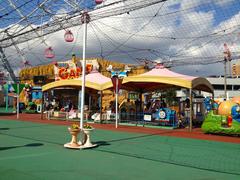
(49, 53)
(98, 1)
(26, 63)
(68, 36)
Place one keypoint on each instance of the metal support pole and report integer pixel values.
(18, 100)
(83, 70)
(230, 69)
(79, 100)
(7, 97)
(225, 79)
(43, 106)
(141, 108)
(191, 111)
(100, 106)
(116, 109)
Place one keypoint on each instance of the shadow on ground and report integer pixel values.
(26, 145)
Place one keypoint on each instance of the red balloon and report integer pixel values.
(49, 53)
(68, 36)
(98, 1)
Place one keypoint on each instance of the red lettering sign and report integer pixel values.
(78, 71)
(89, 67)
(72, 74)
(65, 73)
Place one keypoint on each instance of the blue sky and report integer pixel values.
(9, 15)
(219, 15)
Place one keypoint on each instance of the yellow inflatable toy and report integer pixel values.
(236, 99)
(225, 107)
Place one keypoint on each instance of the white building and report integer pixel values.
(233, 86)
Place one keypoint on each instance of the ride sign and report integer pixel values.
(69, 70)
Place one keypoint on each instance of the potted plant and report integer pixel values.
(87, 131)
(74, 130)
(74, 127)
(87, 126)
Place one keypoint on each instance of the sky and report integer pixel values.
(181, 33)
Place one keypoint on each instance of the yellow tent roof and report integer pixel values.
(162, 78)
(94, 80)
(157, 78)
(76, 83)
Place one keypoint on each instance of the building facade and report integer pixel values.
(236, 70)
(232, 83)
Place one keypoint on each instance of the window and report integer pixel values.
(221, 87)
(218, 86)
(236, 87)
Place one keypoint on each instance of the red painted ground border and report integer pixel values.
(184, 133)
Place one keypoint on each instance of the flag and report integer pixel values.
(114, 81)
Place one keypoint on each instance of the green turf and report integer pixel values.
(35, 151)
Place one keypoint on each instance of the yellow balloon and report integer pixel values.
(225, 107)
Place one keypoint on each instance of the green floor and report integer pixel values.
(35, 151)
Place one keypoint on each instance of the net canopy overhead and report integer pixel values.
(176, 33)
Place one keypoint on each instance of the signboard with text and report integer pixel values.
(71, 70)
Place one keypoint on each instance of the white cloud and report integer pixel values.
(124, 37)
(223, 3)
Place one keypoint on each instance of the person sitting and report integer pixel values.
(96, 117)
(72, 114)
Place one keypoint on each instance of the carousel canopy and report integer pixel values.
(94, 80)
(162, 78)
(157, 78)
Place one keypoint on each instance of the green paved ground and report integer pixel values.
(35, 151)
